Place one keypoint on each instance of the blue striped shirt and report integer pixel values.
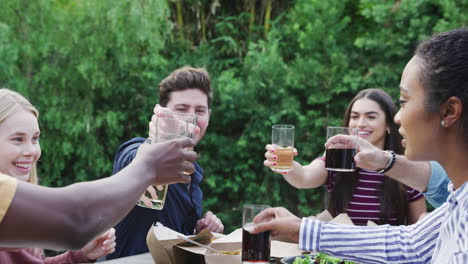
(441, 237)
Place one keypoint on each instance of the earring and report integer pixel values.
(442, 123)
(388, 131)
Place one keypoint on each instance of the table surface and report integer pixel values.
(137, 259)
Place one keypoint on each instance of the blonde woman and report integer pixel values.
(19, 152)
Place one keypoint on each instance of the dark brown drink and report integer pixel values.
(255, 247)
(340, 159)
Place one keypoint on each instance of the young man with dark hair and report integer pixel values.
(186, 90)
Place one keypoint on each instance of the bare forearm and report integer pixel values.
(415, 174)
(105, 202)
(296, 176)
(64, 218)
(310, 176)
(70, 217)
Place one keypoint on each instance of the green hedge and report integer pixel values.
(93, 68)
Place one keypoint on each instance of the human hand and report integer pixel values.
(279, 221)
(169, 124)
(211, 222)
(168, 160)
(159, 111)
(368, 156)
(101, 246)
(271, 158)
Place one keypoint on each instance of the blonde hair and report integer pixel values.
(10, 103)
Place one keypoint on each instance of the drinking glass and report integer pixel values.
(191, 123)
(340, 155)
(168, 126)
(255, 247)
(282, 138)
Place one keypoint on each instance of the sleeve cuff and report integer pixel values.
(309, 235)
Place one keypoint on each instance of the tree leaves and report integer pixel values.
(93, 67)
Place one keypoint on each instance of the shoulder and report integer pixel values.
(131, 144)
(129, 148)
(7, 182)
(126, 153)
(7, 189)
(412, 193)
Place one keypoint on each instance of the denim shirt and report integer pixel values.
(182, 209)
(437, 188)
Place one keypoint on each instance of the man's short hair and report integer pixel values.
(182, 79)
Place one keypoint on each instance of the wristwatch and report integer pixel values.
(390, 163)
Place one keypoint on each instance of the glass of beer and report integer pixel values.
(282, 138)
(167, 126)
(191, 122)
(255, 247)
(340, 155)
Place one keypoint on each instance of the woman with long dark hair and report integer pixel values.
(434, 124)
(363, 194)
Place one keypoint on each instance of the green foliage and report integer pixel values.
(80, 63)
(93, 68)
(315, 59)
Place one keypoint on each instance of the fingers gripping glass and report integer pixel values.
(255, 247)
(190, 121)
(339, 156)
(167, 127)
(282, 139)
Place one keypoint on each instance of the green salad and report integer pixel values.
(321, 258)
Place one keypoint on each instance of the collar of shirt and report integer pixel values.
(457, 196)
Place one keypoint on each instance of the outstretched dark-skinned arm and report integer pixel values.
(69, 217)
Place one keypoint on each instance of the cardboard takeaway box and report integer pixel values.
(166, 248)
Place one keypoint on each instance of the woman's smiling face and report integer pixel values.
(19, 144)
(367, 116)
(418, 127)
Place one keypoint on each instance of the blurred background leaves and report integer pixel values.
(93, 68)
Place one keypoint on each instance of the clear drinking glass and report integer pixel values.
(255, 247)
(282, 139)
(191, 123)
(168, 126)
(340, 155)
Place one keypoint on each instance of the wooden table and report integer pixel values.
(137, 259)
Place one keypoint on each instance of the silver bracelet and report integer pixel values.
(390, 163)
